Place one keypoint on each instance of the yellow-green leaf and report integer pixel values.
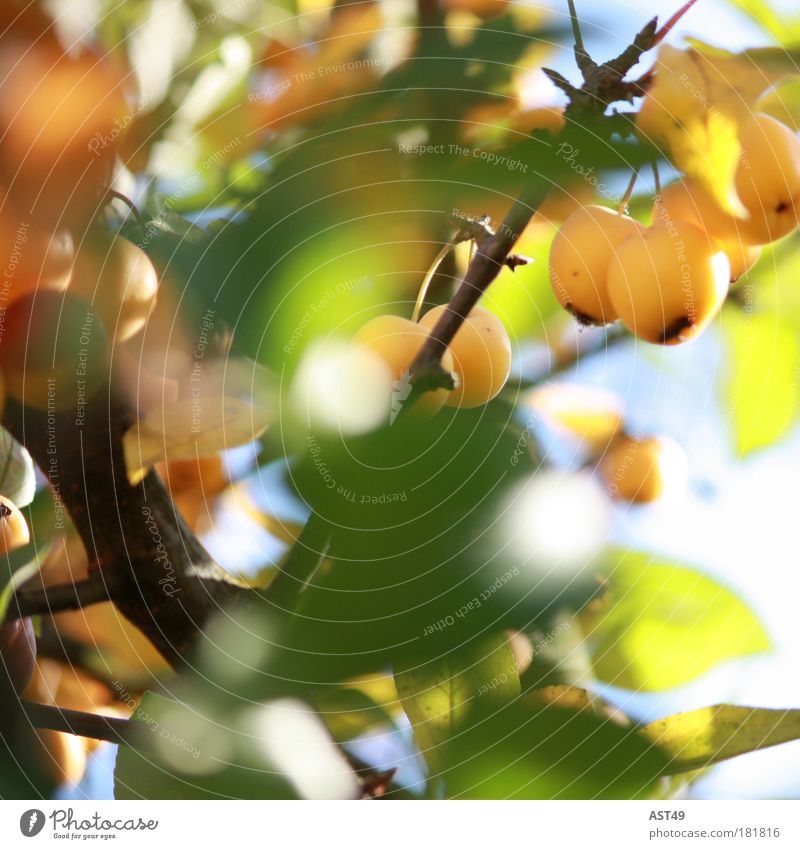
(699, 738)
(665, 625)
(761, 382)
(438, 694)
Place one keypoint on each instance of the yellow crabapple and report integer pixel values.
(396, 341)
(667, 284)
(580, 257)
(768, 177)
(686, 200)
(643, 470)
(119, 280)
(481, 352)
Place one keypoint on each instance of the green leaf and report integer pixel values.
(439, 694)
(763, 13)
(666, 625)
(699, 738)
(549, 753)
(761, 383)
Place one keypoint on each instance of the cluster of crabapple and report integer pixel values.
(479, 356)
(667, 282)
(69, 288)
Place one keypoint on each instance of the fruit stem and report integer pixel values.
(656, 179)
(623, 204)
(423, 289)
(582, 58)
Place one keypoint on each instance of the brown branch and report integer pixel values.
(603, 84)
(164, 581)
(113, 729)
(490, 257)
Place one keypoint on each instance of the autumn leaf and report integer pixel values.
(699, 738)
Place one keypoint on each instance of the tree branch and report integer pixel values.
(164, 581)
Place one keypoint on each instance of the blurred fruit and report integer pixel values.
(117, 278)
(481, 352)
(580, 258)
(203, 475)
(13, 527)
(591, 415)
(642, 470)
(54, 351)
(34, 258)
(57, 119)
(17, 655)
(484, 9)
(60, 756)
(686, 200)
(666, 285)
(396, 342)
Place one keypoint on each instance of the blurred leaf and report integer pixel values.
(665, 625)
(761, 379)
(17, 476)
(784, 28)
(277, 750)
(783, 103)
(703, 737)
(366, 703)
(224, 404)
(548, 753)
(436, 695)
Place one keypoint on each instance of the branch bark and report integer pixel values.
(163, 580)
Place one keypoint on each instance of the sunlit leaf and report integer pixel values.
(761, 379)
(664, 625)
(699, 738)
(437, 695)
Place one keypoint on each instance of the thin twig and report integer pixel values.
(113, 729)
(97, 588)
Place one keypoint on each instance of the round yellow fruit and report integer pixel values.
(667, 284)
(686, 200)
(396, 341)
(481, 353)
(120, 282)
(579, 261)
(642, 470)
(768, 177)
